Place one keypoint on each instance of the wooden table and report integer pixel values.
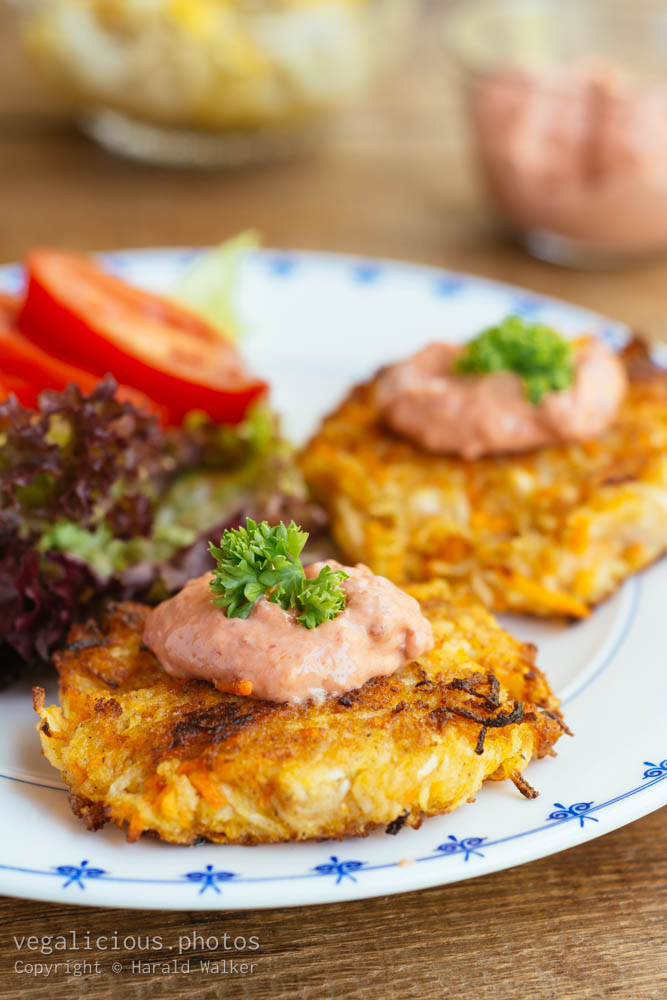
(394, 180)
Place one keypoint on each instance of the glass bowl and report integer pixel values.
(567, 105)
(209, 82)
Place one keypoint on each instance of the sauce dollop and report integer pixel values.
(476, 415)
(269, 655)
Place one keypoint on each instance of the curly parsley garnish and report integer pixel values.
(539, 355)
(261, 559)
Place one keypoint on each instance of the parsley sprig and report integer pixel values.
(263, 559)
(540, 356)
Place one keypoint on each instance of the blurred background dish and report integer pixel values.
(209, 82)
(567, 103)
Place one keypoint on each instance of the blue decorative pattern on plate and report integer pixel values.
(340, 869)
(209, 878)
(316, 324)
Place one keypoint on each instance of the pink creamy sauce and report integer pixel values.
(475, 415)
(271, 656)
(580, 151)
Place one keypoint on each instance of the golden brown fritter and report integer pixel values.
(550, 532)
(185, 761)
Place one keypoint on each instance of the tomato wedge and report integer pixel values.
(26, 370)
(80, 314)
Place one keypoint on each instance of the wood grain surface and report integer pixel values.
(393, 179)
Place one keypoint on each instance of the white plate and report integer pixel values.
(316, 324)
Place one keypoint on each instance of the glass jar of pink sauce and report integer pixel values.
(567, 105)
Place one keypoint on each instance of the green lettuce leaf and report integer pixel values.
(210, 285)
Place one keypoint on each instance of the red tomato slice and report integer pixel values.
(78, 313)
(9, 381)
(26, 370)
(10, 307)
(25, 393)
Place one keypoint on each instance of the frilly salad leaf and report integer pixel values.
(98, 501)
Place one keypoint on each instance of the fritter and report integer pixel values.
(549, 532)
(184, 761)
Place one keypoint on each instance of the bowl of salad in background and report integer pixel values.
(209, 82)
